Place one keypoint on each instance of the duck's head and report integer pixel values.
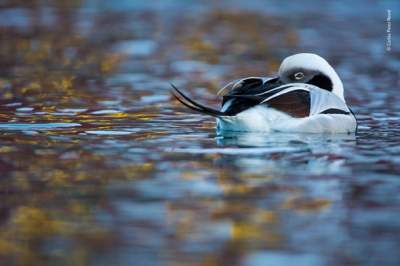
(311, 69)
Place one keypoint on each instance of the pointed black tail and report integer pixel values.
(195, 106)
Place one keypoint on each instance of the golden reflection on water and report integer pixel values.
(46, 62)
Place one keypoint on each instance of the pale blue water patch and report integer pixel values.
(72, 110)
(57, 114)
(127, 78)
(13, 104)
(16, 17)
(36, 126)
(283, 259)
(105, 112)
(190, 66)
(141, 211)
(151, 83)
(137, 47)
(154, 98)
(207, 71)
(108, 132)
(109, 103)
(25, 109)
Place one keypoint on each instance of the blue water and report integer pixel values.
(100, 166)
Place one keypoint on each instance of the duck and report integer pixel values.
(306, 96)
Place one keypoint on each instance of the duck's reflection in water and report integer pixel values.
(258, 139)
(276, 192)
(287, 154)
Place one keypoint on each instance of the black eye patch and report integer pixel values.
(321, 81)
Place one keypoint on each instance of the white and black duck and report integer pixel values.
(306, 96)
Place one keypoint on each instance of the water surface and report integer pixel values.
(100, 166)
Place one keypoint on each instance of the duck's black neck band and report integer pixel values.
(321, 81)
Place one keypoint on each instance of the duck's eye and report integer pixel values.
(299, 75)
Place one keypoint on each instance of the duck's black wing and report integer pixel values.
(247, 93)
(292, 99)
(251, 86)
(240, 93)
(250, 92)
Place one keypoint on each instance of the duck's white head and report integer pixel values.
(312, 69)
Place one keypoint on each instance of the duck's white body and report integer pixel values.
(306, 97)
(262, 118)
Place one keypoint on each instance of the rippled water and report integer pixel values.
(100, 166)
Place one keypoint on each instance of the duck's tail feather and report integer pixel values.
(195, 106)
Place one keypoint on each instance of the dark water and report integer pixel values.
(100, 166)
